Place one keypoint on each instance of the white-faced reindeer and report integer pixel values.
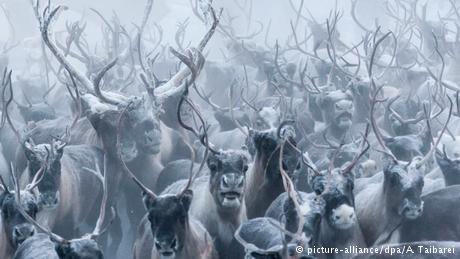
(218, 197)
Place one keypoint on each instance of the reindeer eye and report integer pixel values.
(245, 168)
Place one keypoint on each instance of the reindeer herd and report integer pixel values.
(314, 142)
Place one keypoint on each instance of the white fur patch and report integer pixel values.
(269, 115)
(305, 208)
(344, 216)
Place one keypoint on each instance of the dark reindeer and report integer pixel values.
(264, 181)
(168, 231)
(84, 247)
(14, 227)
(383, 207)
(67, 193)
(450, 167)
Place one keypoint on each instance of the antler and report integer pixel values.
(8, 85)
(433, 148)
(125, 167)
(19, 207)
(45, 21)
(364, 148)
(175, 84)
(39, 174)
(376, 129)
(98, 229)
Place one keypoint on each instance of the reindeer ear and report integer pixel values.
(2, 198)
(58, 146)
(186, 199)
(214, 163)
(63, 249)
(148, 200)
(317, 183)
(441, 159)
(28, 150)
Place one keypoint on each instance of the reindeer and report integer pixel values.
(383, 207)
(339, 227)
(264, 238)
(312, 209)
(14, 228)
(218, 197)
(85, 246)
(38, 246)
(168, 231)
(142, 131)
(441, 204)
(66, 192)
(264, 181)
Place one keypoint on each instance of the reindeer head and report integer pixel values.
(140, 126)
(48, 155)
(403, 185)
(227, 181)
(450, 165)
(337, 108)
(16, 227)
(264, 238)
(168, 217)
(84, 247)
(267, 151)
(403, 181)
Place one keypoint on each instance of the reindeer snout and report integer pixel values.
(412, 210)
(49, 199)
(343, 217)
(22, 232)
(344, 105)
(166, 245)
(232, 181)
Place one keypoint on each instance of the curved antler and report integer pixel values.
(433, 148)
(98, 229)
(120, 157)
(376, 129)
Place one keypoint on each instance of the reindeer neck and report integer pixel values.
(390, 219)
(335, 134)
